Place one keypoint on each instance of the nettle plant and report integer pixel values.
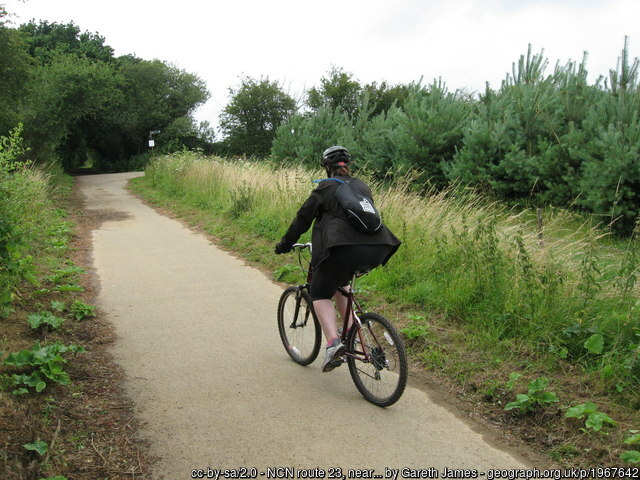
(536, 396)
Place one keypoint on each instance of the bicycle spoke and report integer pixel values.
(298, 327)
(382, 377)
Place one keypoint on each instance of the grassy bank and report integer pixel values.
(540, 318)
(62, 414)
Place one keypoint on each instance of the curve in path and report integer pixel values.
(197, 338)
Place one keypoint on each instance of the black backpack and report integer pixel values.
(358, 207)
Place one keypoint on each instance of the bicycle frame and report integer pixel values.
(353, 310)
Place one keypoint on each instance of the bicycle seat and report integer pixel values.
(362, 271)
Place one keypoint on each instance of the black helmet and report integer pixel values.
(335, 155)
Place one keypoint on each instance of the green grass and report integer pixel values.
(488, 294)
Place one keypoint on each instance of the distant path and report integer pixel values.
(197, 338)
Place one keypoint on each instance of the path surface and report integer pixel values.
(197, 338)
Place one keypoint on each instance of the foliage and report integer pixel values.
(611, 175)
(250, 120)
(49, 39)
(536, 396)
(60, 274)
(155, 96)
(541, 138)
(40, 447)
(58, 306)
(184, 134)
(23, 211)
(86, 107)
(430, 131)
(594, 344)
(15, 69)
(632, 456)
(81, 310)
(383, 96)
(37, 320)
(43, 363)
(595, 419)
(67, 92)
(303, 138)
(338, 90)
(557, 139)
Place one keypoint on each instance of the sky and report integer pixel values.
(466, 43)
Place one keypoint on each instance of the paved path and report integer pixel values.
(197, 338)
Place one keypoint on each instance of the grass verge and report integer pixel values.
(63, 412)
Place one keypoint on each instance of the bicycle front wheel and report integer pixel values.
(378, 365)
(298, 326)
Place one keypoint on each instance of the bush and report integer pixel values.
(23, 204)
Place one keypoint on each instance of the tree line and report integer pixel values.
(542, 138)
(79, 104)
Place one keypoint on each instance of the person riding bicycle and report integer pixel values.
(339, 249)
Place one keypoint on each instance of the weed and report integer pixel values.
(595, 420)
(536, 397)
(491, 388)
(44, 319)
(594, 344)
(43, 363)
(58, 306)
(632, 456)
(61, 273)
(513, 378)
(40, 447)
(81, 310)
(417, 329)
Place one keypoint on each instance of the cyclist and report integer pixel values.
(339, 249)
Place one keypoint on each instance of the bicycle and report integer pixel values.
(374, 350)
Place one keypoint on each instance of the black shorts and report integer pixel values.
(337, 270)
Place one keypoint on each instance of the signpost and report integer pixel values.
(152, 142)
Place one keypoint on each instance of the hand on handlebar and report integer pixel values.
(280, 248)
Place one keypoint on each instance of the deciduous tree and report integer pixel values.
(256, 110)
(337, 90)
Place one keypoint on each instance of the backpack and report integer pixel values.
(358, 207)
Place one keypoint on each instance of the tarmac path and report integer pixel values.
(197, 338)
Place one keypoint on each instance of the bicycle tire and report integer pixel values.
(301, 335)
(382, 380)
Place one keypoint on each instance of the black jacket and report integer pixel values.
(331, 228)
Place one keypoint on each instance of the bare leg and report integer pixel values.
(326, 313)
(341, 305)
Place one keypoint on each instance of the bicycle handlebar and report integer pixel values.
(301, 246)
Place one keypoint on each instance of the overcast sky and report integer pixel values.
(465, 42)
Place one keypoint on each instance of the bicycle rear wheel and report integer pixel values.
(383, 378)
(298, 326)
